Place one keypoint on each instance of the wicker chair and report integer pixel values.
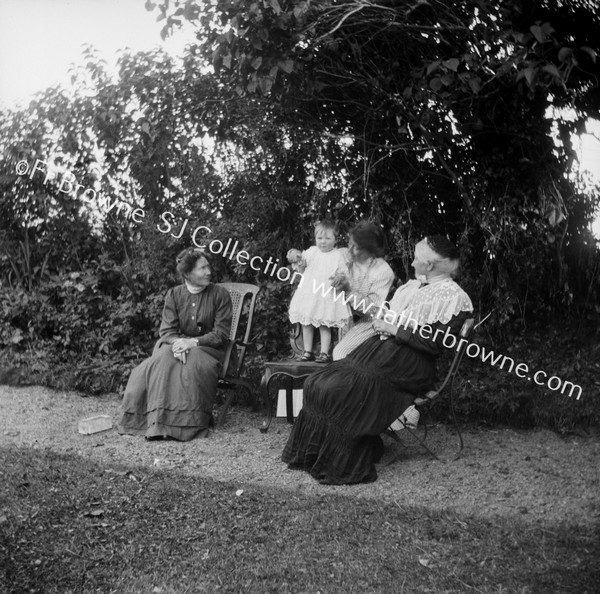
(233, 365)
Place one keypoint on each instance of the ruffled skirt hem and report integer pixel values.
(332, 457)
(149, 425)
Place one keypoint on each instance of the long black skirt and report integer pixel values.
(347, 405)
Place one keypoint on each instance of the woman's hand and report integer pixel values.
(181, 347)
(181, 356)
(340, 281)
(383, 328)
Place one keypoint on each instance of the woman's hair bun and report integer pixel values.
(441, 245)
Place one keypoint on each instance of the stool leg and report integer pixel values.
(289, 400)
(264, 387)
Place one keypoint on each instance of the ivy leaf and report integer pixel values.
(300, 9)
(475, 84)
(564, 53)
(553, 70)
(452, 64)
(537, 32)
(433, 67)
(548, 29)
(589, 51)
(265, 83)
(286, 65)
(436, 84)
(529, 74)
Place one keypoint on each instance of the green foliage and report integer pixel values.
(24, 272)
(430, 117)
(495, 394)
(446, 112)
(89, 322)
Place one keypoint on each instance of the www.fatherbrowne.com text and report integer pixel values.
(450, 341)
(68, 184)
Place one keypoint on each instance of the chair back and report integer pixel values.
(425, 402)
(465, 332)
(240, 293)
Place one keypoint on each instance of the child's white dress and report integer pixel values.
(313, 302)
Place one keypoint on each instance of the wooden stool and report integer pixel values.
(292, 370)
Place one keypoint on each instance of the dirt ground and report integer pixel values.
(536, 474)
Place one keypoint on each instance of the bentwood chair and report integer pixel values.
(424, 403)
(242, 295)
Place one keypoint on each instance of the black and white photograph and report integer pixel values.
(299, 296)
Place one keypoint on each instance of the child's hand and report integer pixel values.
(294, 256)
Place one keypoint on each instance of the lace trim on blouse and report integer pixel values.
(436, 302)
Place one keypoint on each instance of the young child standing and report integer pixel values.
(313, 304)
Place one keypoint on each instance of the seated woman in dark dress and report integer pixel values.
(348, 404)
(171, 394)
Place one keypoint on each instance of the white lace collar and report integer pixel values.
(438, 301)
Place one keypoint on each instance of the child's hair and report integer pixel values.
(327, 224)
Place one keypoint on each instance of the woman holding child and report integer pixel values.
(351, 402)
(358, 275)
(366, 284)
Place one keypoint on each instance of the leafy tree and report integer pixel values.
(454, 117)
(424, 116)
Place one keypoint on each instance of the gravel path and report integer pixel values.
(536, 474)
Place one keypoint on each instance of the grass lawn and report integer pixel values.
(71, 525)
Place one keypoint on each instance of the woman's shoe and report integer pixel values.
(323, 358)
(407, 420)
(307, 356)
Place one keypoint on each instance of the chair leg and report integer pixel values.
(225, 408)
(421, 442)
(264, 388)
(238, 383)
(455, 421)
